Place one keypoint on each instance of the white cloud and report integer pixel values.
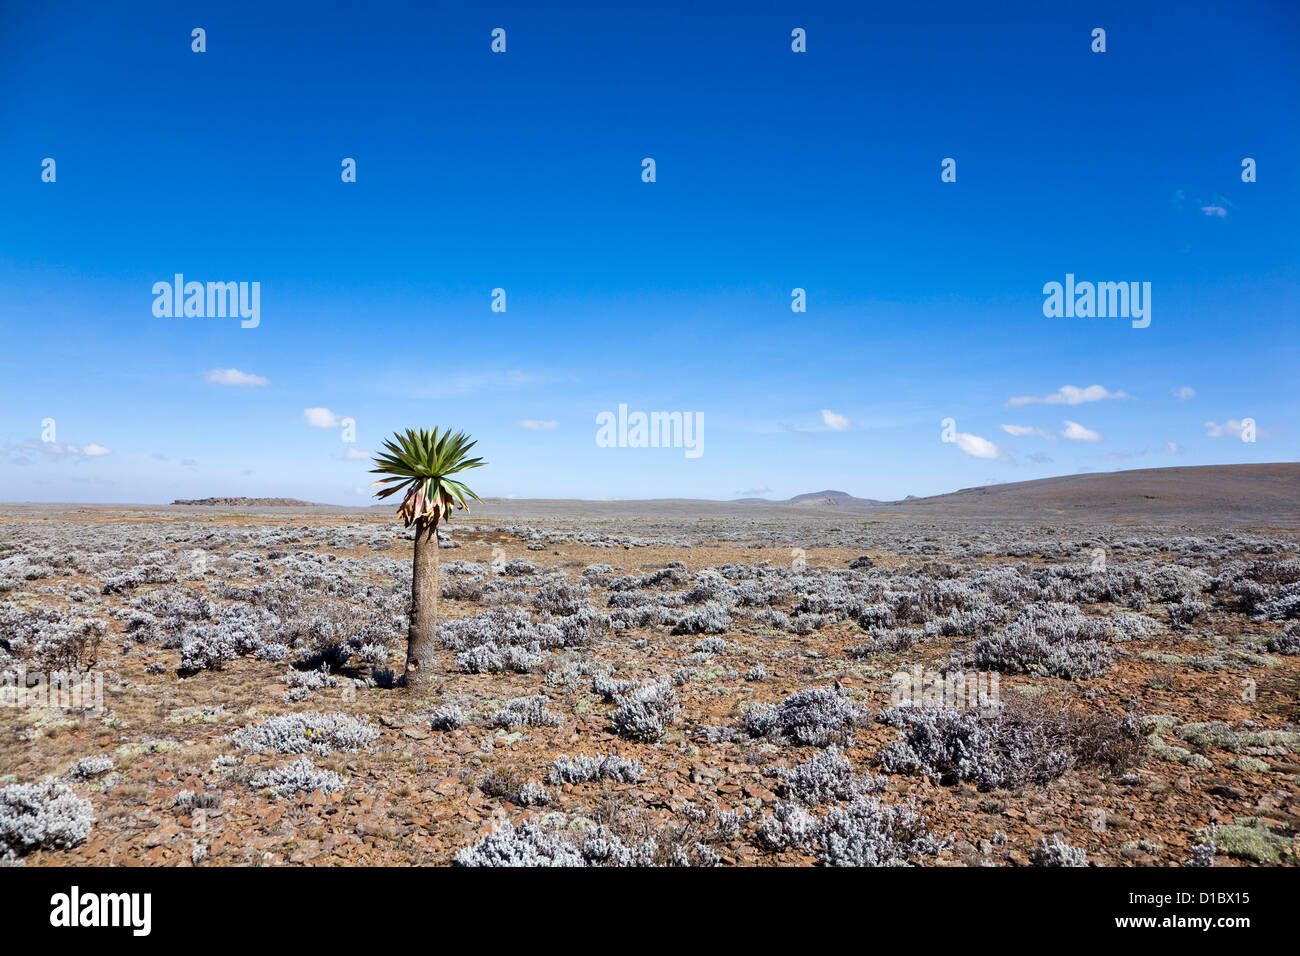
(537, 425)
(978, 447)
(1021, 431)
(1076, 432)
(320, 418)
(837, 422)
(355, 454)
(1173, 448)
(1068, 395)
(1217, 211)
(53, 450)
(1232, 427)
(1184, 392)
(233, 376)
(755, 492)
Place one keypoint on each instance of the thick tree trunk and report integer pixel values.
(420, 639)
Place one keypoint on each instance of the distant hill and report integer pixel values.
(245, 502)
(1266, 493)
(831, 498)
(1259, 494)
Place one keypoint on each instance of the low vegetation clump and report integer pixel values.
(522, 845)
(885, 640)
(1251, 838)
(584, 769)
(1288, 642)
(316, 733)
(491, 659)
(41, 816)
(301, 776)
(528, 845)
(1283, 606)
(501, 626)
(1056, 852)
(49, 639)
(88, 768)
(816, 717)
(867, 832)
(646, 712)
(697, 836)
(826, 777)
(1051, 640)
(864, 832)
(610, 688)
(1020, 744)
(1220, 735)
(526, 712)
(510, 785)
(1202, 854)
(313, 679)
(560, 598)
(1186, 613)
(709, 618)
(787, 828)
(447, 717)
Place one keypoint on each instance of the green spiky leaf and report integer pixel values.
(420, 463)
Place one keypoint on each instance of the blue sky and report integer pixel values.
(522, 171)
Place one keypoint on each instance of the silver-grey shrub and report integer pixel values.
(870, 833)
(817, 717)
(1051, 640)
(510, 626)
(992, 752)
(1055, 852)
(584, 769)
(88, 767)
(560, 598)
(1202, 855)
(301, 776)
(45, 815)
(313, 679)
(316, 733)
(1024, 742)
(1283, 606)
(610, 688)
(1288, 642)
(522, 845)
(528, 845)
(708, 618)
(826, 777)
(526, 712)
(646, 713)
(447, 717)
(787, 827)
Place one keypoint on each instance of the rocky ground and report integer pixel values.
(660, 691)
